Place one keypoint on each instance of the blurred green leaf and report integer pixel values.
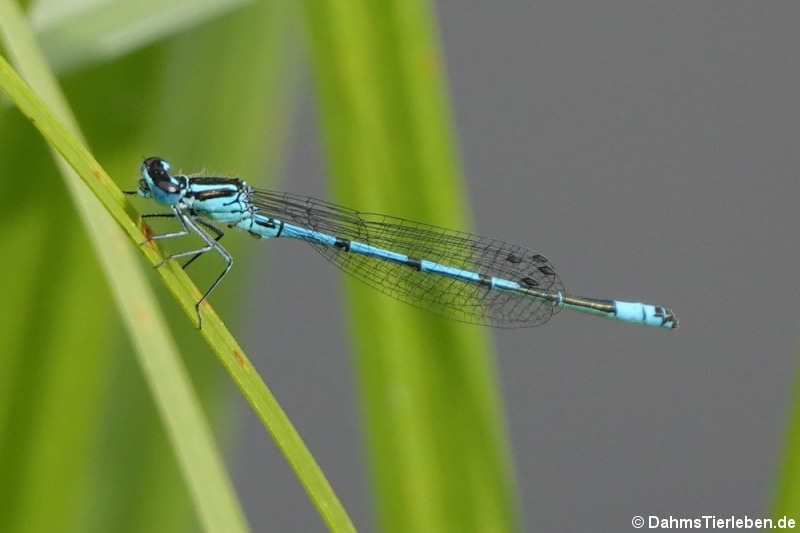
(214, 500)
(74, 34)
(786, 500)
(434, 429)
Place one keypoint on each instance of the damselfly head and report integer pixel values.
(154, 168)
(156, 180)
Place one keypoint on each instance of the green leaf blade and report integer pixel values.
(212, 491)
(435, 436)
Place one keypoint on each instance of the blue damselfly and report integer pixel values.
(459, 275)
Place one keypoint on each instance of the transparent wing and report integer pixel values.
(455, 299)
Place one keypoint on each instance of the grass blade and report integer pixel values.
(189, 433)
(183, 290)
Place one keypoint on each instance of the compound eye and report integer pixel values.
(157, 169)
(155, 165)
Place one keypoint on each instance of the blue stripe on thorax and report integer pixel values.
(223, 200)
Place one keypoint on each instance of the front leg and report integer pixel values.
(218, 234)
(176, 213)
(193, 226)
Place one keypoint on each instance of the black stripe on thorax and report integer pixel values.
(217, 181)
(211, 194)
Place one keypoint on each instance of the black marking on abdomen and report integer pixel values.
(270, 223)
(342, 244)
(485, 280)
(414, 263)
(266, 224)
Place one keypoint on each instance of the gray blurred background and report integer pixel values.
(649, 150)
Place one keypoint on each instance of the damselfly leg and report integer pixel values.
(193, 225)
(218, 233)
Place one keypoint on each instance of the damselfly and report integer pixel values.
(452, 273)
